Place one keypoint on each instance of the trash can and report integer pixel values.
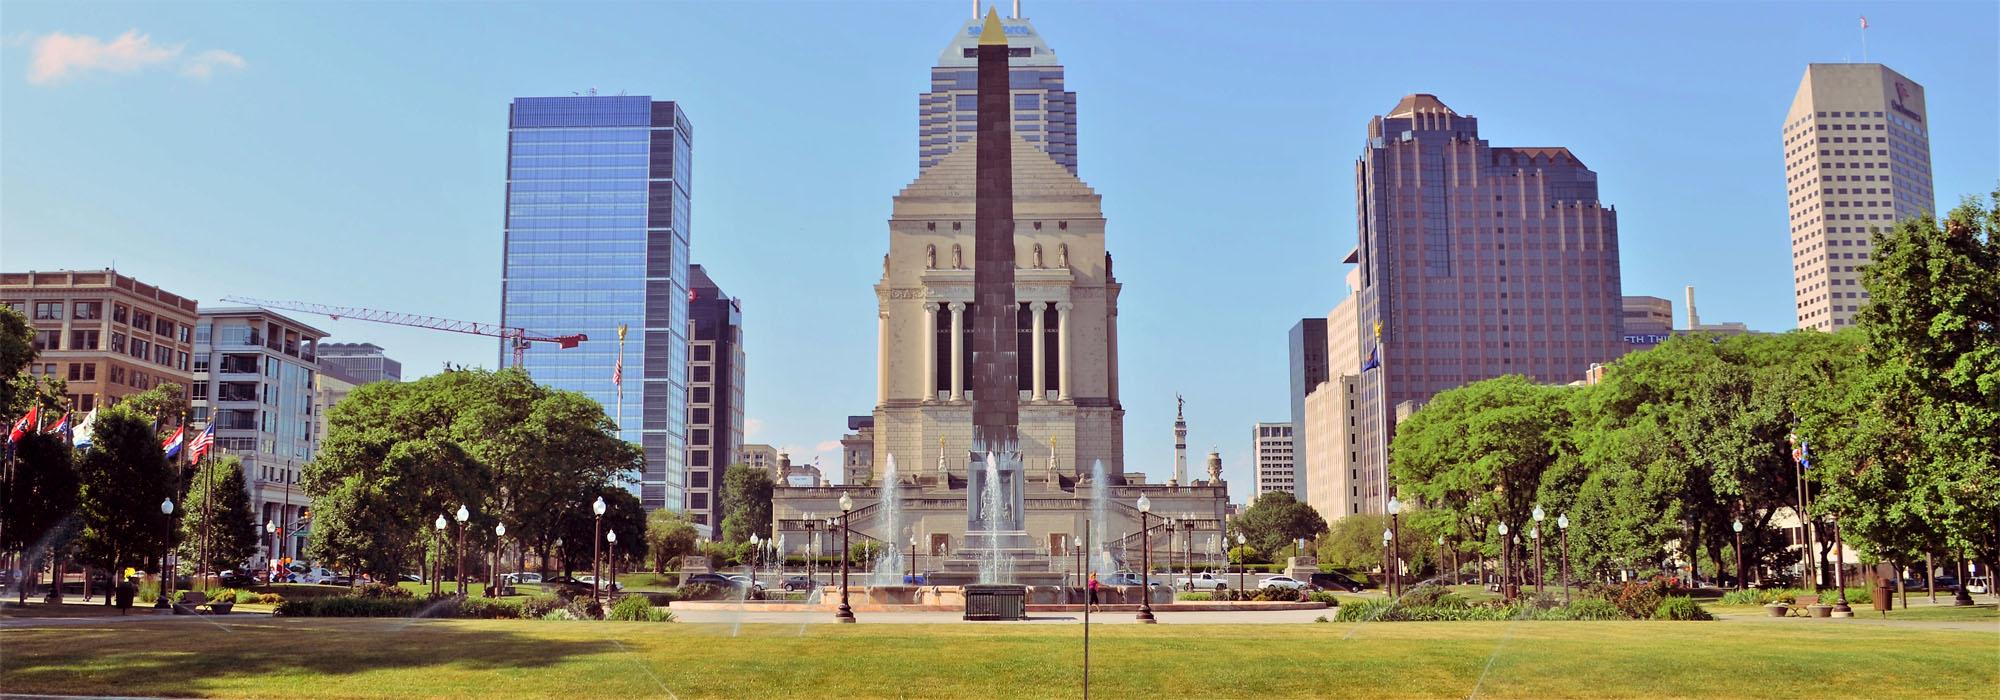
(1882, 597)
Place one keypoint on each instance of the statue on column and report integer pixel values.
(1038, 256)
(930, 256)
(957, 257)
(1062, 255)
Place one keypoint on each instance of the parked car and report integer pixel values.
(1127, 578)
(412, 578)
(1977, 584)
(1334, 582)
(340, 580)
(1283, 582)
(607, 584)
(797, 583)
(742, 580)
(716, 580)
(237, 578)
(1203, 581)
(521, 577)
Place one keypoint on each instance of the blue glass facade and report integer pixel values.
(596, 237)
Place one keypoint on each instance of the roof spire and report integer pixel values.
(992, 34)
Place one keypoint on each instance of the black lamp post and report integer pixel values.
(1396, 544)
(1168, 525)
(1840, 606)
(1242, 568)
(1535, 533)
(464, 516)
(1145, 561)
(1452, 556)
(846, 613)
(166, 574)
(1562, 533)
(271, 555)
(499, 550)
(437, 579)
(596, 553)
(1388, 564)
(913, 560)
(1188, 541)
(611, 564)
(1737, 527)
(1506, 567)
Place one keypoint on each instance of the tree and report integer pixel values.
(217, 494)
(1276, 520)
(670, 536)
(622, 514)
(163, 404)
(1474, 457)
(40, 497)
(124, 477)
(1354, 541)
(17, 349)
(746, 498)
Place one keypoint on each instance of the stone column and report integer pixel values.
(930, 351)
(1064, 370)
(958, 351)
(882, 357)
(1041, 388)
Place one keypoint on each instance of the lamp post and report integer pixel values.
(437, 579)
(1167, 524)
(1562, 533)
(1535, 533)
(611, 564)
(464, 516)
(1840, 607)
(499, 549)
(166, 574)
(1388, 564)
(1145, 561)
(1506, 567)
(597, 554)
(846, 613)
(913, 559)
(756, 553)
(1737, 527)
(1453, 556)
(1396, 545)
(1187, 542)
(1242, 569)
(271, 554)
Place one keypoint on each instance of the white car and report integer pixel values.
(1282, 582)
(526, 577)
(1201, 582)
(588, 580)
(300, 573)
(742, 580)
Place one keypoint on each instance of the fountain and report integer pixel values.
(1100, 520)
(991, 569)
(889, 564)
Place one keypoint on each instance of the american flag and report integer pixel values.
(618, 372)
(202, 442)
(1864, 21)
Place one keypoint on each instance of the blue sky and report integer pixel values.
(354, 154)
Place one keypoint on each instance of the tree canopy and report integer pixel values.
(216, 511)
(1276, 520)
(746, 503)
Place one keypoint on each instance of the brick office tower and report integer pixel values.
(1477, 261)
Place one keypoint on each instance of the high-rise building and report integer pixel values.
(1272, 451)
(1044, 113)
(857, 452)
(1857, 157)
(759, 456)
(1475, 261)
(1306, 345)
(1333, 485)
(715, 396)
(1647, 322)
(596, 241)
(254, 380)
(107, 335)
(344, 367)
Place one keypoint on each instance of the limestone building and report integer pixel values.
(1271, 448)
(1857, 157)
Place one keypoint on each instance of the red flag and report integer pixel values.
(1864, 21)
(25, 424)
(618, 372)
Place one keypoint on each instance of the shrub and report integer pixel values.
(246, 597)
(270, 598)
(1274, 593)
(1321, 618)
(539, 607)
(382, 590)
(631, 608)
(348, 606)
(1365, 610)
(1680, 608)
(149, 591)
(1194, 597)
(1424, 595)
(488, 609)
(1749, 596)
(559, 614)
(702, 591)
(1323, 597)
(586, 609)
(1640, 598)
(659, 615)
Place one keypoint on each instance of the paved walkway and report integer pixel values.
(1063, 618)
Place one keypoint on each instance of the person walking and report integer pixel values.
(1092, 605)
(127, 589)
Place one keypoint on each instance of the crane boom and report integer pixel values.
(520, 338)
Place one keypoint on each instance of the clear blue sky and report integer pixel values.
(354, 154)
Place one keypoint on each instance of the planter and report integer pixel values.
(1778, 610)
(220, 608)
(1822, 610)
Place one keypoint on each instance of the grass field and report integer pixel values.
(255, 658)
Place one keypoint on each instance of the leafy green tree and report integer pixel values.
(124, 477)
(622, 514)
(746, 500)
(217, 493)
(1276, 520)
(1474, 457)
(163, 405)
(17, 349)
(1353, 541)
(669, 535)
(40, 497)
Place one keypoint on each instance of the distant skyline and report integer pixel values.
(355, 155)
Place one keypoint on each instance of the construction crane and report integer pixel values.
(519, 338)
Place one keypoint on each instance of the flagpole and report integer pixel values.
(618, 381)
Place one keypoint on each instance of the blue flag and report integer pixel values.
(1374, 359)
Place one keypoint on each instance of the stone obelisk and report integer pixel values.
(996, 401)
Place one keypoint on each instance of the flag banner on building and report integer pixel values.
(84, 430)
(1374, 359)
(199, 448)
(22, 426)
(172, 445)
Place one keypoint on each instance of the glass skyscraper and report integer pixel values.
(1044, 113)
(597, 237)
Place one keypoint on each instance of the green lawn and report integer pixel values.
(464, 658)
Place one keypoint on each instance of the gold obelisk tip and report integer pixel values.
(992, 34)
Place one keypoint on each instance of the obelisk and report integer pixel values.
(996, 401)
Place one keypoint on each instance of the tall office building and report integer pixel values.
(107, 335)
(715, 396)
(597, 239)
(255, 375)
(1044, 113)
(1857, 158)
(1476, 261)
(1271, 450)
(1333, 479)
(1306, 345)
(344, 367)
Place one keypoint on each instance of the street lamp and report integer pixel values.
(611, 565)
(1388, 563)
(596, 553)
(1168, 524)
(1506, 567)
(1535, 533)
(913, 559)
(270, 555)
(464, 516)
(1187, 543)
(1737, 527)
(499, 548)
(166, 575)
(1146, 562)
(1562, 532)
(756, 550)
(1396, 544)
(1453, 556)
(846, 613)
(1241, 569)
(437, 561)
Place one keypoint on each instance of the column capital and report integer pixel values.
(1064, 306)
(1037, 305)
(931, 306)
(957, 306)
